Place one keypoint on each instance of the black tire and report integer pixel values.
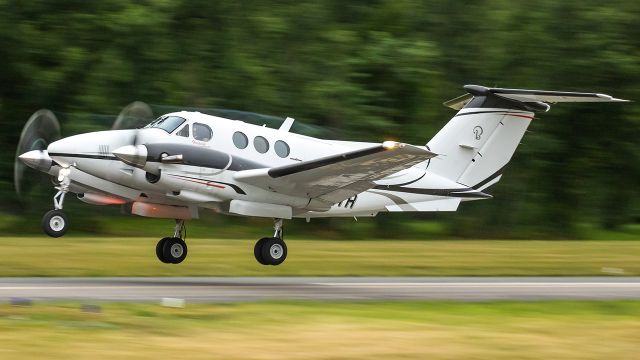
(55, 223)
(274, 251)
(159, 247)
(257, 250)
(174, 250)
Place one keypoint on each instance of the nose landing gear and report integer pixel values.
(271, 250)
(54, 222)
(173, 250)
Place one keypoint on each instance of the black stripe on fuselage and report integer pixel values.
(215, 161)
(412, 181)
(85, 156)
(460, 193)
(235, 187)
(396, 199)
(491, 177)
(202, 157)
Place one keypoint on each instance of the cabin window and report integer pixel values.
(184, 132)
(168, 124)
(281, 148)
(202, 132)
(240, 140)
(261, 144)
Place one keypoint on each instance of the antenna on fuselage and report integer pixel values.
(286, 125)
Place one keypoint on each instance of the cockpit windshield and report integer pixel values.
(166, 123)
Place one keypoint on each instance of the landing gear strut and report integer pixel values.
(271, 250)
(54, 222)
(173, 250)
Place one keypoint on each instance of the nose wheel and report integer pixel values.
(54, 222)
(271, 250)
(173, 250)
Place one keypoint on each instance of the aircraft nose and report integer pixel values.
(84, 149)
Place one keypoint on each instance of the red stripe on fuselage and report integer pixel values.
(208, 184)
(199, 182)
(518, 115)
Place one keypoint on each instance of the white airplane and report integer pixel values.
(186, 161)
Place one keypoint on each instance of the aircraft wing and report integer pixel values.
(334, 178)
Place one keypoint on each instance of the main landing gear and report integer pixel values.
(271, 250)
(173, 250)
(54, 222)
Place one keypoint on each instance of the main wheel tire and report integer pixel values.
(174, 250)
(257, 251)
(274, 251)
(55, 223)
(159, 247)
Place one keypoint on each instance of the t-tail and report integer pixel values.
(477, 143)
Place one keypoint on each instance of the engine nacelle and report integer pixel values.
(164, 211)
(97, 199)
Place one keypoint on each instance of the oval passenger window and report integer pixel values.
(240, 140)
(202, 132)
(261, 144)
(281, 148)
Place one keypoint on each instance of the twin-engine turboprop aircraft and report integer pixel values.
(185, 161)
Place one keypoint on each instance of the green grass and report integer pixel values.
(79, 256)
(324, 330)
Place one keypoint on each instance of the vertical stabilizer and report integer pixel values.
(476, 145)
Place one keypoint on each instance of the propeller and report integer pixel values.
(133, 116)
(41, 129)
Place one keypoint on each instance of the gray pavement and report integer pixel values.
(221, 289)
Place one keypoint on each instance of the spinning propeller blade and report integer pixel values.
(41, 129)
(133, 116)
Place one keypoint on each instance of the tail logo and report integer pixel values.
(478, 132)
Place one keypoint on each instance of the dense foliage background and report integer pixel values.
(367, 69)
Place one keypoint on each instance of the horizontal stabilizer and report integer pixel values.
(552, 96)
(528, 96)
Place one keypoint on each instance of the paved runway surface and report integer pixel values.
(213, 289)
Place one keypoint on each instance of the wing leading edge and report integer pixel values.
(329, 180)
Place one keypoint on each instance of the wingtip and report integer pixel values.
(392, 145)
(611, 98)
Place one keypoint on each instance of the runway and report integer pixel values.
(219, 289)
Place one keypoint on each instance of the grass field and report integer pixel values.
(309, 330)
(79, 256)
